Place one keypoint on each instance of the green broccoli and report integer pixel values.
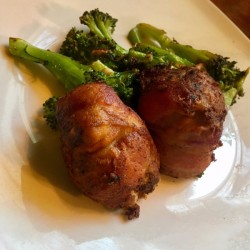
(86, 46)
(83, 46)
(49, 112)
(225, 72)
(71, 73)
(159, 56)
(98, 44)
(99, 23)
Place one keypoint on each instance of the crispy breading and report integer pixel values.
(107, 148)
(184, 110)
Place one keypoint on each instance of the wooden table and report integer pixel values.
(238, 11)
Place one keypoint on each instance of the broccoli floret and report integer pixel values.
(229, 77)
(99, 23)
(79, 45)
(86, 47)
(224, 71)
(102, 26)
(49, 112)
(124, 82)
(96, 43)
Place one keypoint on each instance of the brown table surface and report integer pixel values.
(238, 11)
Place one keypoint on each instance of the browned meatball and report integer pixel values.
(184, 110)
(107, 148)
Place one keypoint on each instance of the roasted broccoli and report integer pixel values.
(97, 43)
(71, 73)
(224, 71)
(49, 112)
(158, 56)
(87, 46)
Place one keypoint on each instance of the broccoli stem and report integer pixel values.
(99, 66)
(69, 72)
(102, 25)
(150, 35)
(159, 55)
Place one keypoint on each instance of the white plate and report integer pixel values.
(41, 209)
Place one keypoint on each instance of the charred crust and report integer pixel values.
(185, 109)
(148, 184)
(107, 148)
(200, 175)
(132, 212)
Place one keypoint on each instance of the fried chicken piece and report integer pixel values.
(108, 151)
(184, 110)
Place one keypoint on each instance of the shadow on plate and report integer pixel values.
(48, 194)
